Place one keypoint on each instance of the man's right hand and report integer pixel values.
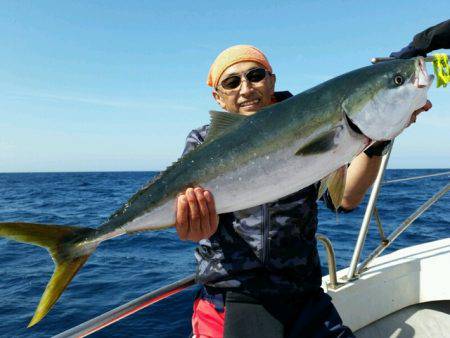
(433, 38)
(196, 216)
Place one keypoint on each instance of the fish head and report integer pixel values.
(384, 96)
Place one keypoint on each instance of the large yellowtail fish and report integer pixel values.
(247, 161)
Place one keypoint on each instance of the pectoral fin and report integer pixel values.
(322, 143)
(322, 187)
(336, 185)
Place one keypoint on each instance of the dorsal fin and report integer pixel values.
(221, 121)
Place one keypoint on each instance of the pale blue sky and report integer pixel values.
(109, 85)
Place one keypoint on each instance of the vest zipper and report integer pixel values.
(265, 234)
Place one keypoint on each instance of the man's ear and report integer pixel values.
(273, 79)
(218, 99)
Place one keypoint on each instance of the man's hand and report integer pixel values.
(433, 38)
(426, 107)
(196, 216)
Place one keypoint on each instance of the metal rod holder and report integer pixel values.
(384, 240)
(331, 261)
(403, 226)
(368, 214)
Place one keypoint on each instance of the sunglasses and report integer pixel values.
(254, 75)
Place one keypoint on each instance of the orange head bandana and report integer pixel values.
(231, 56)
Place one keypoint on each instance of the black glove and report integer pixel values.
(379, 148)
(407, 52)
(433, 38)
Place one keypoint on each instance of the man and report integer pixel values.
(260, 267)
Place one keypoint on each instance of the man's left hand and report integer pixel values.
(426, 107)
(380, 148)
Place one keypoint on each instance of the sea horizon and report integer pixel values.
(152, 171)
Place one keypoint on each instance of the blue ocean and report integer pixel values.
(130, 266)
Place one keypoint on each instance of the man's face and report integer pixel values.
(248, 97)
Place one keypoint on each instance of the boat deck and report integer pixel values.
(430, 319)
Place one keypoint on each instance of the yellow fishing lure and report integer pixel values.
(441, 69)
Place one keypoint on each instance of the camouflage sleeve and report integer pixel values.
(326, 198)
(195, 138)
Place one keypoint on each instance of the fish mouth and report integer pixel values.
(421, 78)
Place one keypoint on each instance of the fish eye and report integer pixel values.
(398, 80)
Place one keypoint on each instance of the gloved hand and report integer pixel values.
(432, 38)
(379, 148)
(408, 52)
